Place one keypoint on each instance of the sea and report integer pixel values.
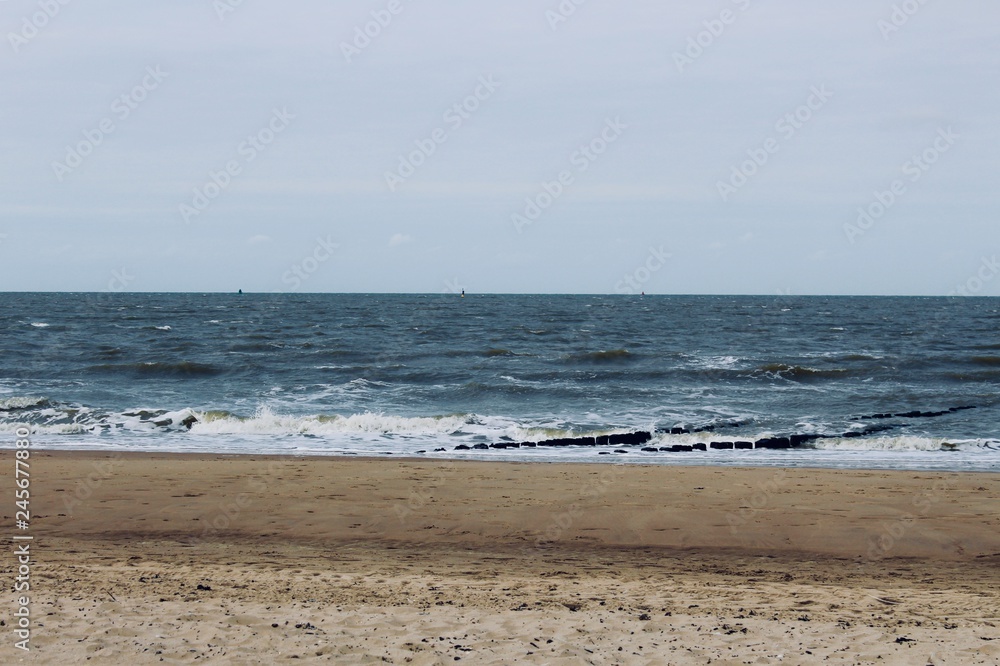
(853, 382)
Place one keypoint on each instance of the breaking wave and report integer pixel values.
(17, 403)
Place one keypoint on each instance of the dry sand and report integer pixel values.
(243, 560)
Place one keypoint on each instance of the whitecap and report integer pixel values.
(267, 422)
(22, 402)
(899, 443)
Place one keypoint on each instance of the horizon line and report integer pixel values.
(499, 293)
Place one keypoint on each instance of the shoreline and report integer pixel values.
(634, 462)
(634, 458)
(142, 556)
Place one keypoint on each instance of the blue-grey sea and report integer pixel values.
(862, 382)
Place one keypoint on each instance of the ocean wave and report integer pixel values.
(900, 443)
(17, 403)
(458, 432)
(153, 368)
(269, 346)
(600, 357)
(860, 357)
(800, 373)
(329, 353)
(498, 352)
(712, 363)
(46, 417)
(267, 422)
(811, 441)
(110, 352)
(972, 376)
(362, 383)
(510, 387)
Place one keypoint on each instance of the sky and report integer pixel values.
(581, 146)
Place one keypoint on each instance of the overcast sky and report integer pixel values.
(728, 146)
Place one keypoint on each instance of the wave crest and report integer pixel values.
(799, 372)
(900, 443)
(155, 368)
(19, 402)
(610, 356)
(266, 422)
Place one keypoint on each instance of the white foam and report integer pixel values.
(833, 444)
(266, 422)
(21, 402)
(176, 417)
(899, 443)
(718, 362)
(39, 324)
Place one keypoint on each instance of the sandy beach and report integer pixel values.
(240, 560)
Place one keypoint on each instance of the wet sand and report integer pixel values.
(186, 558)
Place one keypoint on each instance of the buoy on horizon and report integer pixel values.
(241, 291)
(463, 293)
